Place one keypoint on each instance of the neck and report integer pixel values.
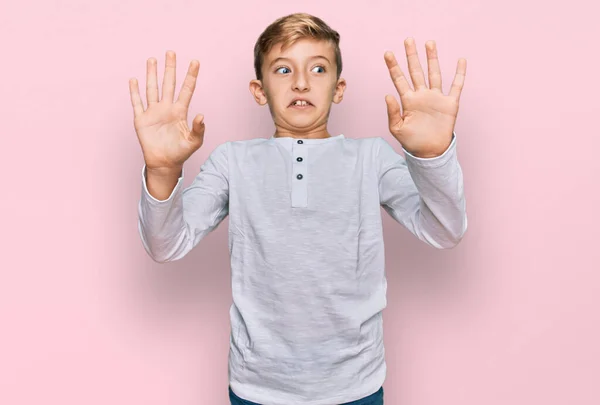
(316, 133)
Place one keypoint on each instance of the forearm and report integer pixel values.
(172, 220)
(161, 222)
(441, 218)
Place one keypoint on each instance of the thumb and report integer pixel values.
(393, 110)
(198, 127)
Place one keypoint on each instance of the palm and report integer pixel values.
(162, 129)
(425, 126)
(164, 134)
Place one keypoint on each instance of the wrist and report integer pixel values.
(164, 172)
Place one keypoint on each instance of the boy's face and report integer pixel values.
(305, 70)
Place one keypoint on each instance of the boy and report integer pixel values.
(305, 227)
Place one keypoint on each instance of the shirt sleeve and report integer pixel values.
(171, 228)
(424, 194)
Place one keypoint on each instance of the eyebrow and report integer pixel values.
(312, 57)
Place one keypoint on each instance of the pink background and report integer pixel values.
(511, 316)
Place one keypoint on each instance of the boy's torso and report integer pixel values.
(308, 283)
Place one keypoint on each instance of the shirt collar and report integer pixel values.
(312, 141)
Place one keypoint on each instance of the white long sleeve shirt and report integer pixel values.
(307, 253)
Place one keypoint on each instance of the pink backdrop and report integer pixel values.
(509, 317)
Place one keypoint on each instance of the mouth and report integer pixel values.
(300, 104)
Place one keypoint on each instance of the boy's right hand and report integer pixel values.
(162, 128)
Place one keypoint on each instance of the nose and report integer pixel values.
(300, 82)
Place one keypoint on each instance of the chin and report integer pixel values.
(302, 122)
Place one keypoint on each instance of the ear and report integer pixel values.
(338, 94)
(257, 90)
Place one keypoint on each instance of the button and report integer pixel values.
(299, 159)
(300, 141)
(299, 177)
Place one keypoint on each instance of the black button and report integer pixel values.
(300, 141)
(299, 159)
(299, 177)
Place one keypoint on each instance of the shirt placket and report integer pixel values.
(300, 174)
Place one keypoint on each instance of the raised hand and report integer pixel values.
(162, 128)
(426, 123)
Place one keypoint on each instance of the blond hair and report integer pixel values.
(291, 28)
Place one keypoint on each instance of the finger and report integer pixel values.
(198, 128)
(396, 74)
(414, 66)
(136, 100)
(433, 65)
(393, 111)
(168, 87)
(459, 79)
(151, 82)
(189, 84)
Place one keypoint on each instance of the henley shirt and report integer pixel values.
(307, 253)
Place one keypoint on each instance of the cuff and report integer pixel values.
(434, 161)
(150, 197)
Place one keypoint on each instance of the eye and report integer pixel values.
(279, 68)
(322, 67)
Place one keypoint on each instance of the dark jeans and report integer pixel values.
(373, 399)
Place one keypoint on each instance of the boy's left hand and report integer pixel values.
(425, 126)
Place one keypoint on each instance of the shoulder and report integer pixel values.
(366, 142)
(245, 145)
(237, 146)
(369, 145)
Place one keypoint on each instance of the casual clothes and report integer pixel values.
(307, 253)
